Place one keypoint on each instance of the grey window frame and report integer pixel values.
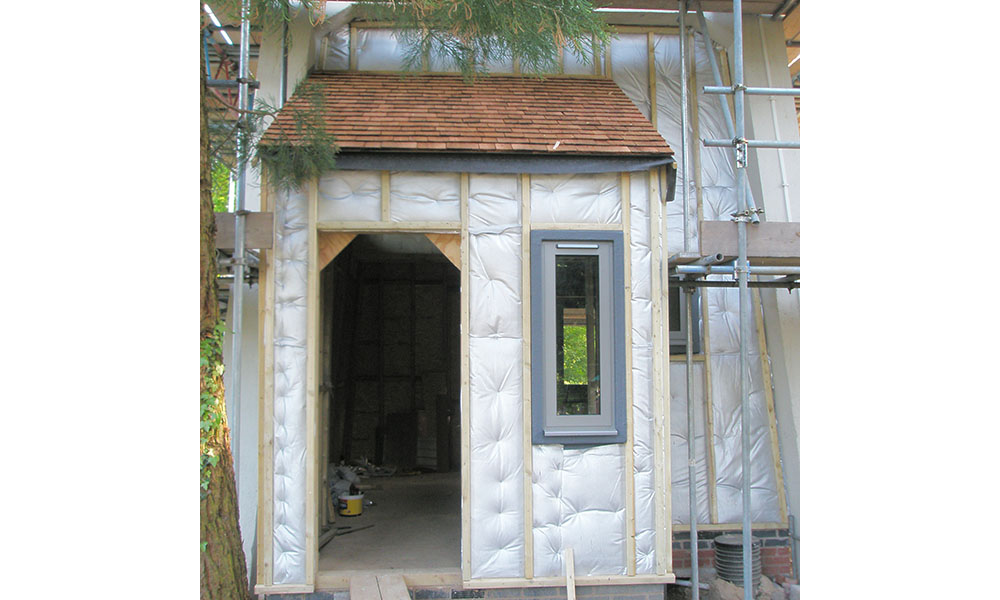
(578, 430)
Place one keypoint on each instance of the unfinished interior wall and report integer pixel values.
(395, 360)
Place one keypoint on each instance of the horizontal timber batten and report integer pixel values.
(577, 226)
(340, 580)
(561, 581)
(390, 226)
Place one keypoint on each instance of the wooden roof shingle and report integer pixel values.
(499, 113)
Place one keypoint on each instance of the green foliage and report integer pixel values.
(473, 33)
(220, 186)
(268, 14)
(212, 407)
(305, 152)
(288, 163)
(575, 355)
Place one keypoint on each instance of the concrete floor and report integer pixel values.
(417, 525)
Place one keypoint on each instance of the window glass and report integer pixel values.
(578, 349)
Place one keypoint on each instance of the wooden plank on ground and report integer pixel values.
(392, 588)
(767, 239)
(450, 244)
(364, 587)
(259, 230)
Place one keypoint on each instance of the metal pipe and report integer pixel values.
(781, 9)
(717, 77)
(742, 268)
(795, 546)
(752, 143)
(730, 269)
(774, 283)
(229, 84)
(208, 63)
(753, 91)
(774, 121)
(692, 491)
(236, 309)
(283, 76)
(712, 259)
(682, 11)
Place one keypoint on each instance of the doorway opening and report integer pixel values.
(389, 390)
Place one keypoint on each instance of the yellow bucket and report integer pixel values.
(350, 506)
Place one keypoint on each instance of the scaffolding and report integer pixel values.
(690, 270)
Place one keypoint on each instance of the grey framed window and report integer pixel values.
(578, 394)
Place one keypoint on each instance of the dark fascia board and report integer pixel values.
(496, 163)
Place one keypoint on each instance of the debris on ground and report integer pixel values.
(341, 479)
(720, 589)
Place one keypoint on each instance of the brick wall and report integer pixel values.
(588, 592)
(775, 552)
(584, 592)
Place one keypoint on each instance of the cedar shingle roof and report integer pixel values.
(506, 114)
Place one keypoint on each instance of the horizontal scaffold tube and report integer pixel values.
(753, 143)
(753, 91)
(774, 283)
(729, 269)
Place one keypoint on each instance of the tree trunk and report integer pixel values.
(223, 566)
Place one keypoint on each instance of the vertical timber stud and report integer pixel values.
(352, 43)
(386, 212)
(651, 61)
(713, 504)
(665, 399)
(765, 371)
(466, 389)
(529, 541)
(597, 57)
(324, 49)
(624, 183)
(312, 386)
(696, 129)
(659, 485)
(265, 421)
(713, 497)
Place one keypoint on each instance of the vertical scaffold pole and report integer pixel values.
(692, 489)
(682, 8)
(689, 378)
(239, 253)
(742, 271)
(717, 78)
